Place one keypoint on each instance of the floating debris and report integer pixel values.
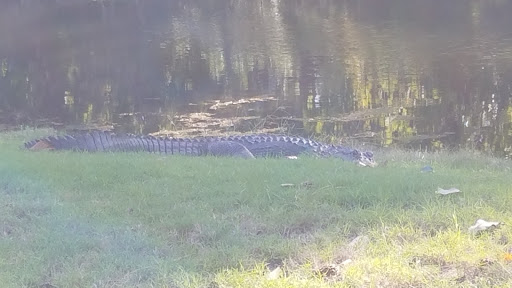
(263, 98)
(482, 225)
(447, 191)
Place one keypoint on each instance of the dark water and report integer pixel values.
(423, 74)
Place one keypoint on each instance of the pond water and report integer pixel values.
(421, 74)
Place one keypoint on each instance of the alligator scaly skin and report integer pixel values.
(245, 146)
(263, 145)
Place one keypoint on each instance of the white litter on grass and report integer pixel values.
(274, 274)
(346, 262)
(447, 191)
(286, 185)
(482, 225)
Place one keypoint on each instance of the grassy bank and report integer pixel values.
(138, 220)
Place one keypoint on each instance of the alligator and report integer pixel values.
(244, 146)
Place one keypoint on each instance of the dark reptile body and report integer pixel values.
(246, 146)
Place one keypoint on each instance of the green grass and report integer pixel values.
(139, 220)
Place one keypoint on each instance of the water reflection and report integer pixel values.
(429, 74)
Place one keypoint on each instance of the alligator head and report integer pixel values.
(366, 159)
(362, 158)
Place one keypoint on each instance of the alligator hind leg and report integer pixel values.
(229, 148)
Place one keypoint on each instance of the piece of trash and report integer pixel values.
(329, 271)
(346, 262)
(274, 274)
(307, 184)
(286, 185)
(427, 169)
(292, 157)
(486, 262)
(447, 191)
(482, 225)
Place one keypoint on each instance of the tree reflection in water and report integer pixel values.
(427, 74)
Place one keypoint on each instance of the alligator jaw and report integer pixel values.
(366, 159)
(367, 163)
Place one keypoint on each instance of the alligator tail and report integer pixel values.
(98, 141)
